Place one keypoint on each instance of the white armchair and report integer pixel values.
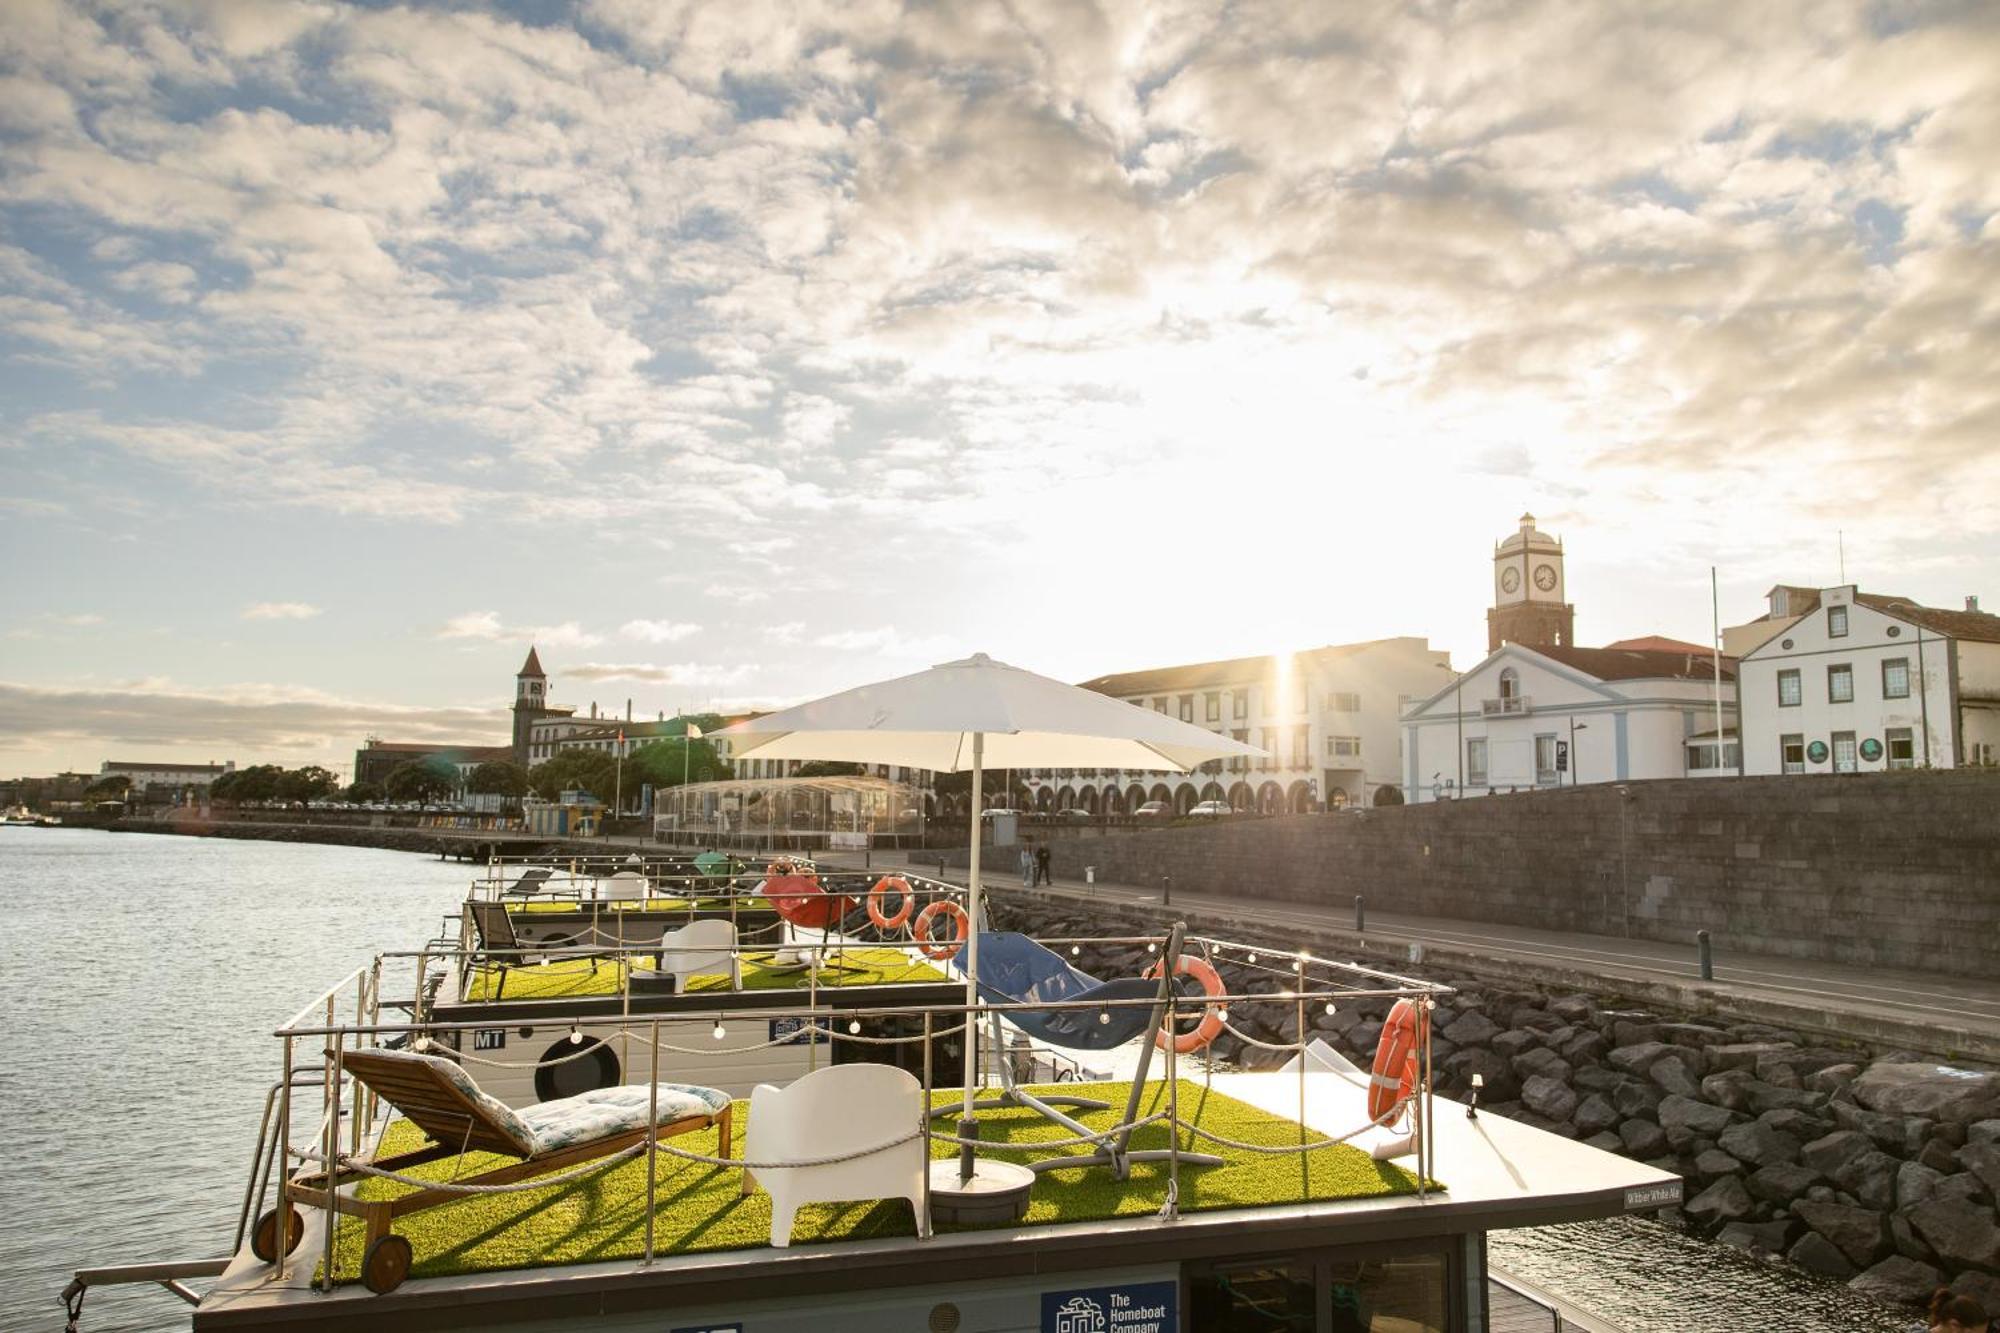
(831, 1111)
(701, 946)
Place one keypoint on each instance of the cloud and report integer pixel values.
(658, 631)
(280, 611)
(78, 619)
(244, 722)
(485, 625)
(887, 641)
(641, 671)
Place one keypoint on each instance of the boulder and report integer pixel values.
(1549, 1098)
(1764, 1097)
(1573, 1008)
(1501, 1085)
(1513, 1041)
(1939, 1156)
(1906, 1240)
(1899, 1280)
(1964, 1187)
(1638, 1057)
(1862, 1234)
(1541, 1063)
(1916, 1183)
(1730, 1088)
(1724, 1201)
(1758, 1144)
(1593, 1114)
(1364, 1036)
(1983, 1160)
(1743, 1055)
(1901, 1134)
(1683, 1119)
(1474, 1029)
(1870, 1177)
(1816, 1254)
(1758, 1237)
(1697, 1036)
(1829, 1153)
(1531, 1016)
(1938, 1091)
(1983, 1131)
(1791, 1068)
(1832, 1078)
(1634, 1029)
(1781, 1182)
(1596, 1078)
(1964, 1235)
(1585, 1048)
(1713, 1163)
(1671, 1075)
(1632, 1097)
(1642, 1138)
(1805, 1128)
(1606, 1141)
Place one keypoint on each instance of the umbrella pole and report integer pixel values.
(968, 1128)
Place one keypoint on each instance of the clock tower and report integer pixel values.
(1528, 606)
(531, 700)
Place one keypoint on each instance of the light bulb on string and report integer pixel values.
(718, 1033)
(575, 1035)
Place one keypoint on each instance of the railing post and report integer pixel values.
(1166, 890)
(1705, 954)
(1360, 915)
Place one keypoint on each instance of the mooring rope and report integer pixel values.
(425, 1045)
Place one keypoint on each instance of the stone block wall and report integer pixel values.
(1894, 869)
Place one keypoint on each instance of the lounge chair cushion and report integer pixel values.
(603, 1112)
(502, 1114)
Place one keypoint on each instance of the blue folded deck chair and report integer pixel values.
(1014, 969)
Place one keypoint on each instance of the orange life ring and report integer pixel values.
(1210, 1027)
(922, 930)
(1393, 1080)
(885, 886)
(782, 866)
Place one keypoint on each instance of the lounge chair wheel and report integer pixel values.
(264, 1240)
(386, 1264)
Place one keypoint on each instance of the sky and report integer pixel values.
(735, 353)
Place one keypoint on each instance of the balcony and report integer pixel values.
(1519, 705)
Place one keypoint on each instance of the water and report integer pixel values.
(142, 977)
(144, 974)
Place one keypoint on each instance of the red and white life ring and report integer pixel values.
(921, 932)
(1210, 1026)
(885, 886)
(1393, 1080)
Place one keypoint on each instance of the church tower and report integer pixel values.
(531, 700)
(1528, 606)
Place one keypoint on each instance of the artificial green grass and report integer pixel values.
(699, 1208)
(586, 906)
(574, 978)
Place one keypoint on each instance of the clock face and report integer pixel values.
(1545, 577)
(1510, 579)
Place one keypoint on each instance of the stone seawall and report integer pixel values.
(437, 842)
(1894, 869)
(1874, 1167)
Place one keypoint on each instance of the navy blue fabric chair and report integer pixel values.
(1014, 969)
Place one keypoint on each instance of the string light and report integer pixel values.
(1329, 1006)
(575, 1035)
(854, 1026)
(1076, 951)
(1253, 957)
(718, 1033)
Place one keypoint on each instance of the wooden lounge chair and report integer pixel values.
(501, 948)
(441, 1099)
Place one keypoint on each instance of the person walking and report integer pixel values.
(1042, 875)
(1027, 865)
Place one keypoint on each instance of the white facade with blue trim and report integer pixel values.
(1544, 717)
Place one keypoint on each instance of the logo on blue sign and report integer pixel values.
(1138, 1307)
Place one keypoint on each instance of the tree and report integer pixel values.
(500, 777)
(1388, 795)
(362, 793)
(830, 768)
(576, 770)
(259, 782)
(665, 762)
(421, 780)
(114, 788)
(311, 783)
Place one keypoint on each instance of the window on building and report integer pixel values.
(1843, 752)
(1343, 747)
(1214, 703)
(1840, 684)
(1267, 740)
(1475, 761)
(1701, 757)
(1159, 705)
(1902, 747)
(1788, 689)
(1510, 684)
(1305, 697)
(1301, 747)
(1792, 752)
(1187, 708)
(1343, 702)
(1239, 703)
(1895, 678)
(1545, 758)
(1836, 622)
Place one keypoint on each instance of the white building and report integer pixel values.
(146, 774)
(1551, 716)
(1835, 680)
(1326, 718)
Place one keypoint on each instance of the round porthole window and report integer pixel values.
(1786, 644)
(1871, 749)
(1816, 752)
(596, 1068)
(1895, 631)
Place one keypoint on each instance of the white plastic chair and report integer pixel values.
(701, 946)
(627, 886)
(830, 1112)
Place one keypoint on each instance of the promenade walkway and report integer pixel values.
(1941, 1016)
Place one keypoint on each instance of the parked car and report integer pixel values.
(1212, 808)
(1074, 813)
(1154, 810)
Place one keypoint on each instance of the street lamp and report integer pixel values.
(1458, 715)
(1574, 767)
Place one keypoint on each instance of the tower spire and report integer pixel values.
(533, 666)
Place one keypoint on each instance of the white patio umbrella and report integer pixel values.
(973, 714)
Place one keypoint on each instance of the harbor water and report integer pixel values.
(143, 976)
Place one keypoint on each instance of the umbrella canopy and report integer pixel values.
(928, 720)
